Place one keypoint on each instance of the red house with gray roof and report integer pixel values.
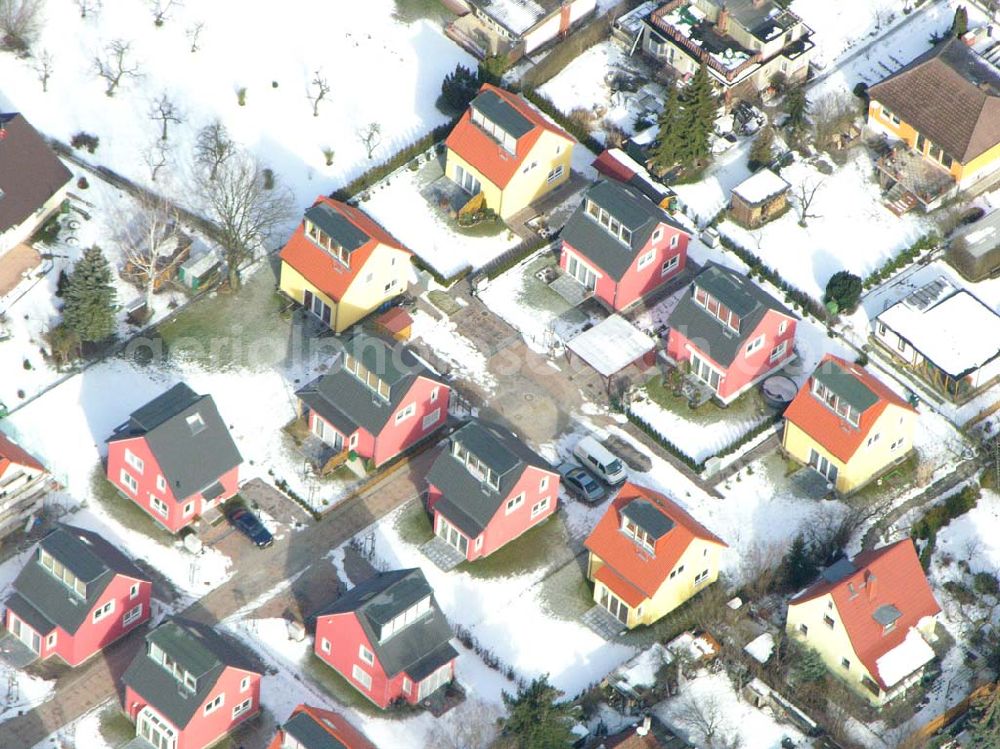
(311, 727)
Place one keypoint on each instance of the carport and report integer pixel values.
(611, 346)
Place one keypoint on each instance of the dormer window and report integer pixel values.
(835, 403)
(368, 378)
(327, 243)
(184, 678)
(404, 620)
(195, 423)
(61, 573)
(501, 136)
(611, 225)
(717, 309)
(637, 534)
(475, 466)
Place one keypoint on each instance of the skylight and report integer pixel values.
(195, 423)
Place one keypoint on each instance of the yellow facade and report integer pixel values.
(700, 557)
(550, 152)
(889, 439)
(384, 277)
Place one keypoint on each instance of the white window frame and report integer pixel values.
(543, 484)
(778, 351)
(361, 676)
(189, 509)
(128, 480)
(782, 327)
(324, 645)
(132, 615)
(431, 419)
(405, 413)
(755, 345)
(514, 504)
(701, 577)
(669, 264)
(646, 260)
(133, 592)
(897, 444)
(243, 707)
(244, 683)
(675, 240)
(353, 441)
(658, 234)
(135, 461)
(50, 640)
(434, 394)
(407, 685)
(366, 655)
(104, 611)
(215, 704)
(541, 506)
(159, 506)
(555, 174)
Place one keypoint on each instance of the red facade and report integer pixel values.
(339, 638)
(535, 484)
(131, 600)
(661, 260)
(237, 686)
(175, 513)
(429, 399)
(776, 329)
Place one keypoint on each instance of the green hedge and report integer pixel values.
(573, 128)
(513, 256)
(445, 281)
(400, 159)
(909, 255)
(940, 515)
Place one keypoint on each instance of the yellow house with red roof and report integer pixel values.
(847, 426)
(505, 150)
(648, 556)
(871, 619)
(341, 265)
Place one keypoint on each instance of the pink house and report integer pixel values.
(377, 400)
(189, 687)
(731, 333)
(486, 488)
(388, 638)
(175, 458)
(76, 595)
(621, 246)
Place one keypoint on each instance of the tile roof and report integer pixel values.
(482, 151)
(30, 172)
(889, 576)
(643, 571)
(201, 650)
(467, 501)
(634, 210)
(951, 95)
(12, 454)
(353, 228)
(421, 647)
(859, 388)
(191, 459)
(348, 404)
(739, 294)
(618, 165)
(316, 728)
(89, 557)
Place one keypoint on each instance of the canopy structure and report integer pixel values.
(611, 345)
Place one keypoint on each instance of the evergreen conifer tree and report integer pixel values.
(670, 137)
(799, 566)
(90, 298)
(762, 150)
(698, 111)
(536, 719)
(960, 23)
(457, 89)
(986, 728)
(796, 107)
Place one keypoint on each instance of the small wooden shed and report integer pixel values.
(759, 198)
(974, 250)
(397, 323)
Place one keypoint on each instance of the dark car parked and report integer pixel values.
(250, 526)
(581, 483)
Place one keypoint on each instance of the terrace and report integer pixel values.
(690, 28)
(910, 179)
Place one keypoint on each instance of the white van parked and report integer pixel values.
(599, 459)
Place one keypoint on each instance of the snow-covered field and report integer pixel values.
(465, 359)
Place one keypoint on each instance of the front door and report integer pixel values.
(330, 436)
(582, 273)
(155, 731)
(705, 373)
(615, 605)
(434, 682)
(467, 182)
(823, 466)
(26, 635)
(453, 537)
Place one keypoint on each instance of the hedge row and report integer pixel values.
(936, 518)
(445, 281)
(575, 129)
(909, 255)
(513, 256)
(758, 266)
(394, 162)
(285, 489)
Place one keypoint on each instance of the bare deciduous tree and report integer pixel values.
(116, 65)
(702, 717)
(144, 238)
(371, 136)
(88, 7)
(213, 147)
(161, 9)
(320, 88)
(20, 23)
(477, 730)
(43, 68)
(831, 115)
(193, 33)
(157, 157)
(805, 195)
(245, 209)
(165, 111)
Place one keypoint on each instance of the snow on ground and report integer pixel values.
(703, 199)
(838, 27)
(506, 615)
(713, 694)
(274, 56)
(443, 338)
(850, 229)
(24, 693)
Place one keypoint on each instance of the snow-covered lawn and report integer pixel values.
(839, 27)
(848, 229)
(709, 195)
(465, 359)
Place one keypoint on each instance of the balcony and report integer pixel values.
(911, 180)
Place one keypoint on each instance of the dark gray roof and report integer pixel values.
(643, 513)
(886, 614)
(337, 226)
(347, 403)
(199, 649)
(737, 292)
(30, 173)
(467, 501)
(838, 570)
(850, 388)
(88, 556)
(385, 596)
(633, 209)
(30, 615)
(503, 114)
(191, 458)
(303, 728)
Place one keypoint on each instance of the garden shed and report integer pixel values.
(974, 251)
(759, 198)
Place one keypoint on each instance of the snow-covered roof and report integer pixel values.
(611, 345)
(912, 653)
(641, 670)
(761, 186)
(515, 15)
(958, 334)
(761, 647)
(632, 22)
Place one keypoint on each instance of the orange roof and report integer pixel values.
(890, 576)
(395, 320)
(480, 150)
(12, 454)
(632, 568)
(332, 723)
(824, 426)
(319, 268)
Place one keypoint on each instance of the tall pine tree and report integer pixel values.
(986, 728)
(698, 111)
(457, 89)
(797, 108)
(799, 567)
(762, 150)
(960, 23)
(90, 298)
(670, 137)
(536, 719)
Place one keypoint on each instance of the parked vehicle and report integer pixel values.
(596, 457)
(250, 526)
(581, 483)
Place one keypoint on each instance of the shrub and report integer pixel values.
(241, 96)
(844, 288)
(907, 256)
(492, 68)
(985, 584)
(570, 126)
(457, 89)
(85, 140)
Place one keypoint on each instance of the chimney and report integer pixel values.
(647, 723)
(722, 22)
(870, 581)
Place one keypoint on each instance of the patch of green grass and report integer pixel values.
(340, 690)
(413, 524)
(125, 511)
(748, 407)
(568, 594)
(114, 726)
(443, 302)
(894, 482)
(486, 228)
(528, 552)
(408, 11)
